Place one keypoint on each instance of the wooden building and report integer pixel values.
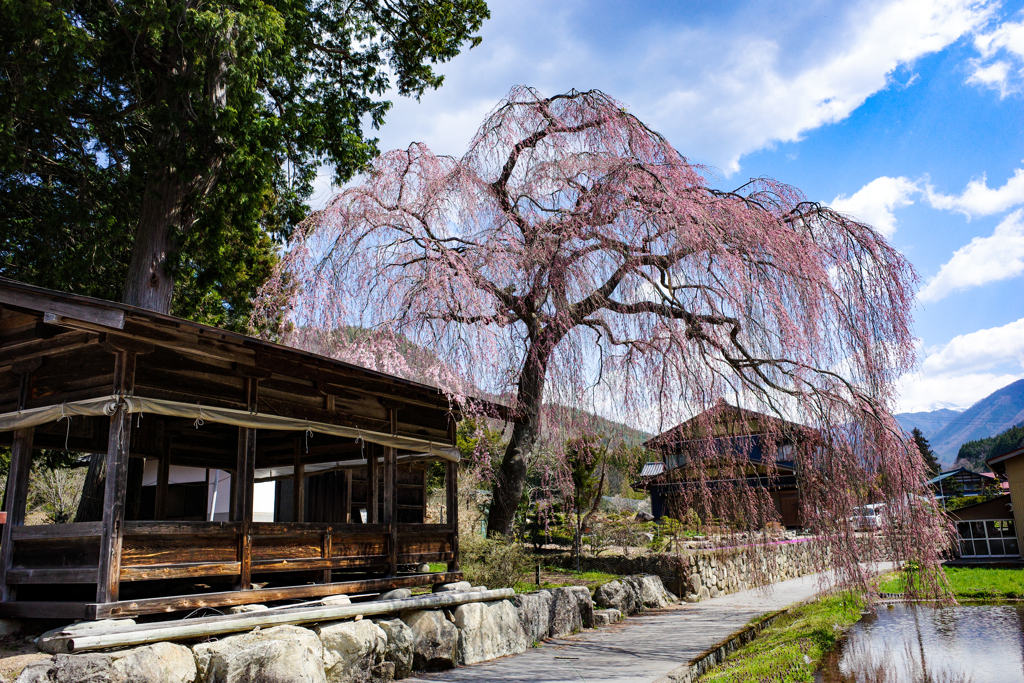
(346, 450)
(737, 433)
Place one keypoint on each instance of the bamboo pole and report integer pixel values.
(140, 634)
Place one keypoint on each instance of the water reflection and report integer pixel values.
(976, 643)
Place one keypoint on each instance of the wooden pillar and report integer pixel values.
(371, 483)
(163, 479)
(244, 481)
(325, 553)
(298, 485)
(391, 497)
(452, 503)
(116, 483)
(346, 516)
(245, 471)
(14, 505)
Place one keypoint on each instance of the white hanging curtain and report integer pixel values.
(107, 405)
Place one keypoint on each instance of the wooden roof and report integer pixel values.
(65, 341)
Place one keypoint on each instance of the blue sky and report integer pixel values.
(904, 113)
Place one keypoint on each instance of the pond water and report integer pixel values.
(928, 644)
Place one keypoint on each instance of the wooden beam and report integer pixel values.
(47, 610)
(54, 309)
(17, 498)
(116, 483)
(298, 485)
(224, 599)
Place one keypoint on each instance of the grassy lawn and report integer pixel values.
(555, 577)
(789, 649)
(969, 582)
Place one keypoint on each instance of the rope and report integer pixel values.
(199, 420)
(67, 436)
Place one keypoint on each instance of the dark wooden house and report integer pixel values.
(144, 394)
(736, 433)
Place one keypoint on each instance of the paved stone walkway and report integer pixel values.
(639, 649)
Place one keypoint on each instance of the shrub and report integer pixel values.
(495, 563)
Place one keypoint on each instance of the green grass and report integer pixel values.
(969, 582)
(572, 578)
(438, 567)
(789, 649)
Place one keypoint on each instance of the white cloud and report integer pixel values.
(982, 260)
(1006, 40)
(718, 88)
(980, 350)
(966, 369)
(978, 199)
(920, 392)
(873, 204)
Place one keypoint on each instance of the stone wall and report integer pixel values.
(702, 574)
(358, 650)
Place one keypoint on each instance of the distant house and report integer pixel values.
(963, 482)
(736, 433)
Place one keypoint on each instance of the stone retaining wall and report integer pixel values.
(363, 650)
(702, 574)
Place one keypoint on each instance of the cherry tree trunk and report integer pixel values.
(511, 476)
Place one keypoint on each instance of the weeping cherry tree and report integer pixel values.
(572, 258)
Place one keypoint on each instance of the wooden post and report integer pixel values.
(16, 500)
(452, 490)
(325, 553)
(298, 485)
(346, 516)
(391, 498)
(371, 483)
(163, 479)
(244, 480)
(116, 484)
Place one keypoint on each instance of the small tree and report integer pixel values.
(931, 463)
(587, 459)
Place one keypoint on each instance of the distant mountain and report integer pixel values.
(992, 415)
(929, 421)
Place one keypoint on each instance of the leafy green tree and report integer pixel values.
(162, 150)
(587, 459)
(931, 463)
(974, 454)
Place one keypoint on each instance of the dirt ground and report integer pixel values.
(15, 655)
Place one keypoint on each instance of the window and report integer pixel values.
(988, 538)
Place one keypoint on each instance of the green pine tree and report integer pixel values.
(931, 463)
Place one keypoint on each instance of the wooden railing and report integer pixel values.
(68, 553)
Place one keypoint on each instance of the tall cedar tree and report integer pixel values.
(159, 150)
(931, 463)
(572, 257)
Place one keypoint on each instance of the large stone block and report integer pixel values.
(157, 663)
(399, 647)
(534, 614)
(435, 640)
(606, 617)
(396, 594)
(282, 654)
(565, 612)
(488, 630)
(352, 650)
(653, 593)
(618, 595)
(457, 586)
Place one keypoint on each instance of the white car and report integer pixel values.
(869, 517)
